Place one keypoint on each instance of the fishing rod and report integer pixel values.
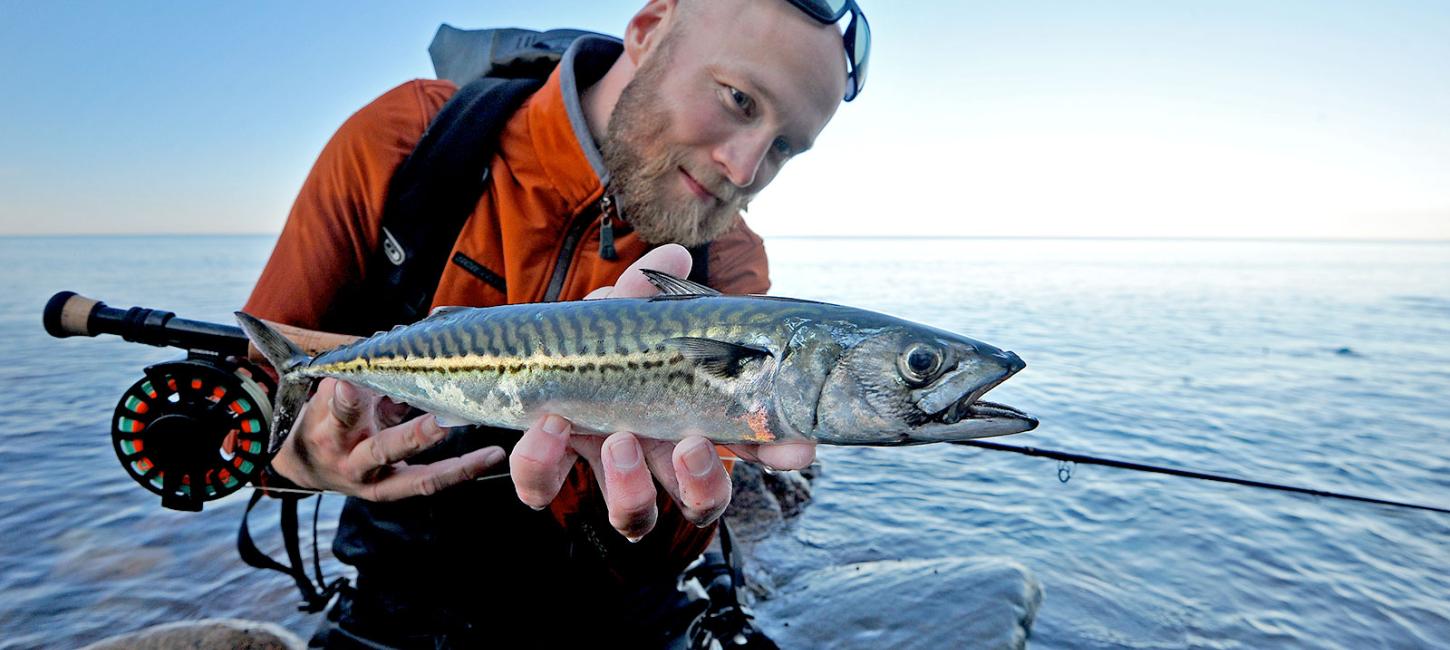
(190, 430)
(1070, 457)
(196, 429)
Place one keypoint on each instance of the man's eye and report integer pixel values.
(742, 101)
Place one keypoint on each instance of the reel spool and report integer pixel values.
(195, 430)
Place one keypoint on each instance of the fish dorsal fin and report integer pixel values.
(390, 330)
(670, 285)
(444, 310)
(719, 358)
(436, 313)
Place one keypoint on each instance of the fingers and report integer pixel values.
(341, 448)
(390, 413)
(673, 259)
(629, 489)
(541, 461)
(394, 444)
(660, 456)
(348, 405)
(704, 485)
(692, 474)
(326, 430)
(424, 480)
(785, 455)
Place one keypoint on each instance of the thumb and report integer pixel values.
(349, 403)
(673, 259)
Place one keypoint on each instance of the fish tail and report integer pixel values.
(293, 387)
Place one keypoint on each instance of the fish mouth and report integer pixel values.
(972, 407)
(962, 408)
(969, 419)
(992, 410)
(972, 417)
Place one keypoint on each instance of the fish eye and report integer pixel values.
(919, 363)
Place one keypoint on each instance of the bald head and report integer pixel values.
(709, 100)
(774, 28)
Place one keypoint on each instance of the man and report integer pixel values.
(679, 126)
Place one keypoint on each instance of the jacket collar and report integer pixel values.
(557, 127)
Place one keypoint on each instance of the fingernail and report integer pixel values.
(699, 457)
(625, 454)
(493, 456)
(555, 425)
(633, 540)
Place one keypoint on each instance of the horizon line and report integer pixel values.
(1146, 238)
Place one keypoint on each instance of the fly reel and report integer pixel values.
(195, 430)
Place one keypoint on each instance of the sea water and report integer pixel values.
(1323, 364)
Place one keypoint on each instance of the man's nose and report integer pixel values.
(742, 157)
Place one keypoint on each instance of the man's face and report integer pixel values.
(714, 111)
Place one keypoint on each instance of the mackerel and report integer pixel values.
(687, 362)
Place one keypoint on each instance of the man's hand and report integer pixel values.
(350, 440)
(626, 465)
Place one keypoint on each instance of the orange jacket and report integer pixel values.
(542, 186)
(542, 183)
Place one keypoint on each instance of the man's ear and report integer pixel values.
(647, 28)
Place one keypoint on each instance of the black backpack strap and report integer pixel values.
(315, 594)
(700, 264)
(725, 622)
(433, 193)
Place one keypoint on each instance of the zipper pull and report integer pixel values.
(606, 230)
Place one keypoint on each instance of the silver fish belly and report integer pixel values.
(607, 365)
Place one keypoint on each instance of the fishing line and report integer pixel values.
(1065, 472)
(309, 491)
(218, 391)
(1068, 457)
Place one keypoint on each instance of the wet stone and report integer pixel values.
(965, 602)
(228, 633)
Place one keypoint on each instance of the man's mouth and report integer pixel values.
(697, 187)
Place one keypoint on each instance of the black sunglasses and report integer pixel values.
(857, 37)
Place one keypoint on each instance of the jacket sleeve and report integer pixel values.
(333, 227)
(738, 263)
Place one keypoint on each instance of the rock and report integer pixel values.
(792, 491)
(979, 602)
(762, 502)
(754, 511)
(219, 633)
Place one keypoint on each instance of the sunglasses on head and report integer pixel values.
(857, 37)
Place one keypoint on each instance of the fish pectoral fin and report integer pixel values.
(670, 285)
(720, 358)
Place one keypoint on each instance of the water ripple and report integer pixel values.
(1317, 364)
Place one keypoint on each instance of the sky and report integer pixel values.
(1080, 118)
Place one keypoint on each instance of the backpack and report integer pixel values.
(435, 190)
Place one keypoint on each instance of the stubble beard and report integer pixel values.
(642, 168)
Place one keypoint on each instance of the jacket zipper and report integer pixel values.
(606, 229)
(571, 242)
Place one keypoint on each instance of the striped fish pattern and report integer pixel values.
(688, 362)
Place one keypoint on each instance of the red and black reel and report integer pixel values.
(195, 430)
